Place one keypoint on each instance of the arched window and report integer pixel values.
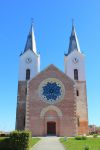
(27, 74)
(75, 74)
(77, 92)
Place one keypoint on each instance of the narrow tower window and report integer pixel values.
(27, 74)
(77, 92)
(26, 91)
(78, 121)
(24, 122)
(75, 74)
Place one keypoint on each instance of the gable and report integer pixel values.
(51, 72)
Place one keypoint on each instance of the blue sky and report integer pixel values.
(52, 24)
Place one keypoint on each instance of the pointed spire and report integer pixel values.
(30, 43)
(73, 44)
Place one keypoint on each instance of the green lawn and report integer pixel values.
(73, 144)
(34, 141)
(2, 138)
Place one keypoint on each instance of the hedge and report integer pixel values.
(80, 137)
(18, 140)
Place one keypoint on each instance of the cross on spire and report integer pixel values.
(32, 21)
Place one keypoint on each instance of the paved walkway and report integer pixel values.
(49, 143)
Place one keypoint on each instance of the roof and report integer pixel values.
(74, 43)
(31, 43)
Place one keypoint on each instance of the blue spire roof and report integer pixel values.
(73, 44)
(30, 43)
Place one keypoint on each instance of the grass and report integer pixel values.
(33, 141)
(73, 144)
(2, 138)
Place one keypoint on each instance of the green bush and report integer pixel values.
(84, 137)
(86, 147)
(80, 137)
(20, 140)
(95, 135)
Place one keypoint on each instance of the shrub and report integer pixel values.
(95, 135)
(84, 137)
(20, 140)
(86, 147)
(80, 137)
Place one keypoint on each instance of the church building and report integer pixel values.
(52, 102)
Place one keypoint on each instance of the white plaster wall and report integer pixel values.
(70, 66)
(34, 66)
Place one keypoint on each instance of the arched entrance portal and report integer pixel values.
(51, 117)
(51, 128)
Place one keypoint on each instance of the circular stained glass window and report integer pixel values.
(51, 90)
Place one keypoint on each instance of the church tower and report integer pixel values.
(74, 63)
(29, 60)
(29, 67)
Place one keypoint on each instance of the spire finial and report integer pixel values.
(32, 21)
(32, 25)
(72, 22)
(73, 27)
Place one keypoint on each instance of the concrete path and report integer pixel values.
(48, 143)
